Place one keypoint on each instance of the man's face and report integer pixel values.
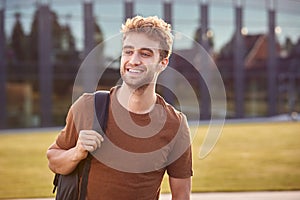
(140, 61)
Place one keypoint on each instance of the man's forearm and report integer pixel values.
(62, 161)
(180, 188)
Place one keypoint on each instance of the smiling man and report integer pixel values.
(140, 66)
(145, 136)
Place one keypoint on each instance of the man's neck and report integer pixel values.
(140, 101)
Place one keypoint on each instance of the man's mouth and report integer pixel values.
(135, 71)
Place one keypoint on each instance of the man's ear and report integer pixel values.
(164, 63)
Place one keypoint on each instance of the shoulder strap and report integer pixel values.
(101, 111)
(100, 119)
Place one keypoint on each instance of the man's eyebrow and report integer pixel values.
(143, 49)
(128, 47)
(147, 49)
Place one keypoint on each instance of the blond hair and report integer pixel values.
(155, 28)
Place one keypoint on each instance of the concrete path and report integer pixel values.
(293, 195)
(285, 195)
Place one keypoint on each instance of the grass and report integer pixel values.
(23, 165)
(247, 157)
(252, 157)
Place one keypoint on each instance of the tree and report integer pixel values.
(33, 37)
(18, 40)
(67, 39)
(98, 35)
(288, 46)
(210, 37)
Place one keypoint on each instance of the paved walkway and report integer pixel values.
(293, 195)
(285, 195)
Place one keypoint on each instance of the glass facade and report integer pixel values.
(22, 95)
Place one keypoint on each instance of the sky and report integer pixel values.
(185, 21)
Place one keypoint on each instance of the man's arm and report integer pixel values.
(65, 161)
(180, 188)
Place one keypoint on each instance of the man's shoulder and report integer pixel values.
(84, 100)
(87, 100)
(171, 110)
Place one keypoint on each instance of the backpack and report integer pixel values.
(68, 186)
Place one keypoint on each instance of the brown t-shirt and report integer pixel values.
(137, 148)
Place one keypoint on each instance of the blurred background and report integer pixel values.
(255, 45)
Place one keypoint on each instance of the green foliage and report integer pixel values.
(247, 157)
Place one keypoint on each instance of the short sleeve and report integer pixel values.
(67, 137)
(80, 117)
(182, 166)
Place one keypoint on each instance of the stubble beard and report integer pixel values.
(140, 83)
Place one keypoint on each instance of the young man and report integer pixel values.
(145, 136)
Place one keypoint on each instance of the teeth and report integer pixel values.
(135, 70)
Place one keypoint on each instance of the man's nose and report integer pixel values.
(135, 58)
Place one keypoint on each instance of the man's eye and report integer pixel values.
(145, 54)
(127, 52)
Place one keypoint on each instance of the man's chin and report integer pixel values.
(138, 86)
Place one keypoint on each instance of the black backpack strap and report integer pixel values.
(100, 120)
(55, 182)
(102, 99)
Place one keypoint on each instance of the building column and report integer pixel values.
(88, 26)
(272, 61)
(128, 9)
(205, 106)
(168, 11)
(44, 62)
(239, 72)
(204, 24)
(3, 96)
(167, 76)
(90, 69)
